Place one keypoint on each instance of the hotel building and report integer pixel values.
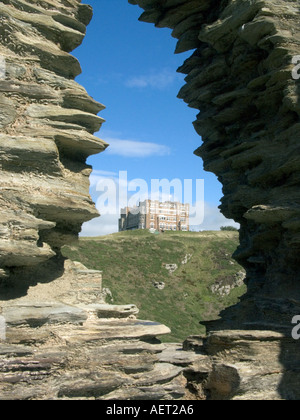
(152, 214)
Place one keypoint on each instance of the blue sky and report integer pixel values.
(130, 67)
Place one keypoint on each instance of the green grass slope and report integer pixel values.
(133, 261)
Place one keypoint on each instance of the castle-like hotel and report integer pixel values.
(152, 214)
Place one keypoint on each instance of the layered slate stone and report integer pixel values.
(62, 341)
(59, 339)
(241, 76)
(47, 124)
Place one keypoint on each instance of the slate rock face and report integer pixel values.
(62, 341)
(58, 337)
(47, 123)
(240, 77)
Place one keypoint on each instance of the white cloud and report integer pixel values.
(133, 149)
(157, 80)
(100, 226)
(214, 219)
(99, 172)
(130, 147)
(97, 175)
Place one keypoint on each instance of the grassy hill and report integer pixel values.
(132, 262)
